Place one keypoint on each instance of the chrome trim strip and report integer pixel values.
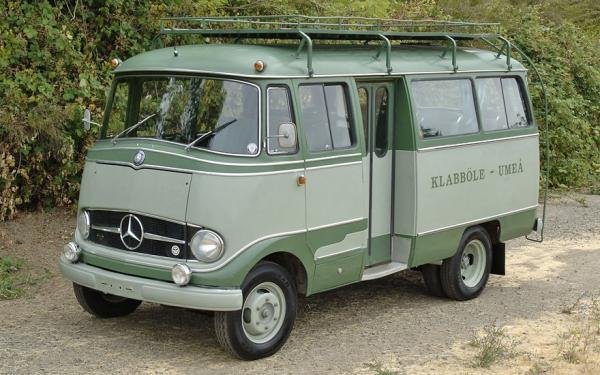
(483, 219)
(139, 213)
(157, 237)
(339, 253)
(283, 171)
(425, 149)
(334, 165)
(106, 229)
(148, 260)
(199, 159)
(356, 75)
(337, 223)
(334, 157)
(181, 170)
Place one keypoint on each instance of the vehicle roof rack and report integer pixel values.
(334, 28)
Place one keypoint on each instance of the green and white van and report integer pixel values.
(233, 176)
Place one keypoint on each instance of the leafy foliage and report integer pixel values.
(54, 62)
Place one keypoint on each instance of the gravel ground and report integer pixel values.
(390, 320)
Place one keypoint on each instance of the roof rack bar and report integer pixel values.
(388, 52)
(452, 44)
(309, 49)
(334, 21)
(508, 48)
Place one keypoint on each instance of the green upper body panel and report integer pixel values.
(282, 61)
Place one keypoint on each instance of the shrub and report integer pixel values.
(54, 54)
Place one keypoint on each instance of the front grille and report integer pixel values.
(160, 236)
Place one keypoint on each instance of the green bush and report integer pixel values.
(54, 63)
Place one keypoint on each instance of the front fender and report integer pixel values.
(232, 274)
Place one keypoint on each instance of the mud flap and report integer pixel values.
(499, 259)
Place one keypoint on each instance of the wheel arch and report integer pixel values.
(493, 229)
(293, 265)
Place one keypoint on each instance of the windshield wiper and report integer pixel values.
(133, 127)
(209, 134)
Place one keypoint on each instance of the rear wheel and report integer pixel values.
(104, 305)
(267, 317)
(465, 275)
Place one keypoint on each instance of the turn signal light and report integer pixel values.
(259, 65)
(114, 63)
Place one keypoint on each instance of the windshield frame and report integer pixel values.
(116, 80)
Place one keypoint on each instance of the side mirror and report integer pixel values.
(87, 119)
(287, 135)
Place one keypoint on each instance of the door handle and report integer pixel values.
(301, 180)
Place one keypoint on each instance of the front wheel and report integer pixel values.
(267, 317)
(465, 275)
(104, 305)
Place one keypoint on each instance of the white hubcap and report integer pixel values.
(263, 312)
(473, 262)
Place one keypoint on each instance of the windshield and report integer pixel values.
(213, 114)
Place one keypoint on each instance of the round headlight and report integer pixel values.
(83, 224)
(207, 246)
(71, 252)
(181, 274)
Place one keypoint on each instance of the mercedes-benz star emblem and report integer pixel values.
(139, 157)
(132, 231)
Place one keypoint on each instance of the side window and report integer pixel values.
(325, 117)
(279, 111)
(337, 109)
(381, 118)
(363, 98)
(444, 107)
(515, 105)
(491, 103)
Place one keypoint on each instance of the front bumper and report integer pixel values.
(142, 289)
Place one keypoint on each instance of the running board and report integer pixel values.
(382, 270)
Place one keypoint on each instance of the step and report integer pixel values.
(382, 270)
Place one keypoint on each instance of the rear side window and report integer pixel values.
(325, 117)
(501, 103)
(515, 105)
(491, 104)
(444, 107)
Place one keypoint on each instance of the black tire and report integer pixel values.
(433, 280)
(229, 326)
(454, 283)
(104, 305)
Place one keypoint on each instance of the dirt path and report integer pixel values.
(385, 324)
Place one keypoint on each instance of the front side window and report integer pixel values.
(444, 107)
(279, 112)
(216, 115)
(325, 117)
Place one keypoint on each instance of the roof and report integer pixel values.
(283, 61)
